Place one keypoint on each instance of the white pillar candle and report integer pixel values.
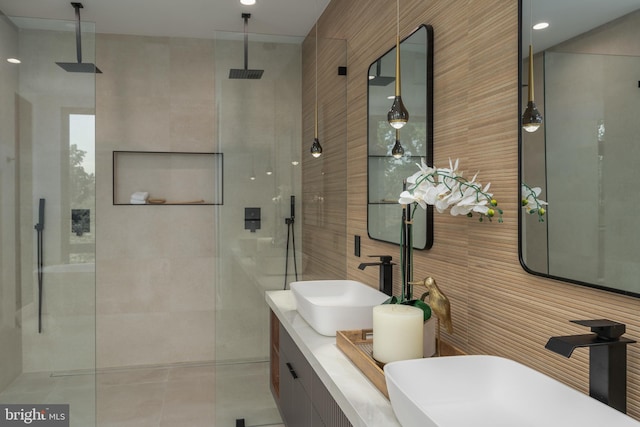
(397, 332)
(429, 337)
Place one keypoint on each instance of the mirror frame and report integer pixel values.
(521, 215)
(428, 155)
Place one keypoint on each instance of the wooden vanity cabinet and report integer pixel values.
(303, 400)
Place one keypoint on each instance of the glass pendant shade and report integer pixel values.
(316, 148)
(398, 116)
(531, 118)
(397, 151)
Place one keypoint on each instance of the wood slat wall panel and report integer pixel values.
(497, 307)
(324, 196)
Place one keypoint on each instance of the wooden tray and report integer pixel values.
(357, 345)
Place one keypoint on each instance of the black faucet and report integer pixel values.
(607, 359)
(386, 272)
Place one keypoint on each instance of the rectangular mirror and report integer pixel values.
(583, 157)
(386, 173)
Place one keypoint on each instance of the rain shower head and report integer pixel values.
(379, 80)
(79, 66)
(245, 73)
(237, 73)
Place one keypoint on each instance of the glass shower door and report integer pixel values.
(259, 128)
(48, 222)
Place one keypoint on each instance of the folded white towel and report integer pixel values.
(140, 195)
(137, 202)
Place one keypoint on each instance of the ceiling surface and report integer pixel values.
(202, 18)
(178, 18)
(567, 19)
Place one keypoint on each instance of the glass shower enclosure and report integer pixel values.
(258, 130)
(47, 221)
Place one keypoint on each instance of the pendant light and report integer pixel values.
(397, 151)
(316, 148)
(531, 118)
(398, 116)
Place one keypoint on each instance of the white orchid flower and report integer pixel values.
(530, 198)
(432, 194)
(461, 210)
(531, 202)
(406, 198)
(422, 175)
(446, 189)
(424, 168)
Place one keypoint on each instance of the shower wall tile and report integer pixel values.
(191, 75)
(190, 285)
(154, 338)
(132, 232)
(133, 286)
(133, 66)
(138, 123)
(190, 231)
(192, 125)
(155, 264)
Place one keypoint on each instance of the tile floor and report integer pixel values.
(181, 395)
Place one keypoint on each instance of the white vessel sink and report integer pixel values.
(489, 391)
(334, 305)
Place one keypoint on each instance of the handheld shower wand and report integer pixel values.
(40, 249)
(290, 232)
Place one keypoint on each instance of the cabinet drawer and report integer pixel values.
(295, 363)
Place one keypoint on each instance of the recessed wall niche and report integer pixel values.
(169, 178)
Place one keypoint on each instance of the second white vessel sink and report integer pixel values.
(334, 305)
(489, 391)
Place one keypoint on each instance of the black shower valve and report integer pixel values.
(252, 219)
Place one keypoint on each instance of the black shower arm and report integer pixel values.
(77, 7)
(246, 17)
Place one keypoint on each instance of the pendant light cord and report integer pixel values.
(398, 87)
(530, 82)
(315, 133)
(531, 22)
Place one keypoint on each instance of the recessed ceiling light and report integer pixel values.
(540, 25)
(248, 2)
(13, 60)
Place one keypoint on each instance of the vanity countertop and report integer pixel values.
(359, 399)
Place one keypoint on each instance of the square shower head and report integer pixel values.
(236, 73)
(79, 67)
